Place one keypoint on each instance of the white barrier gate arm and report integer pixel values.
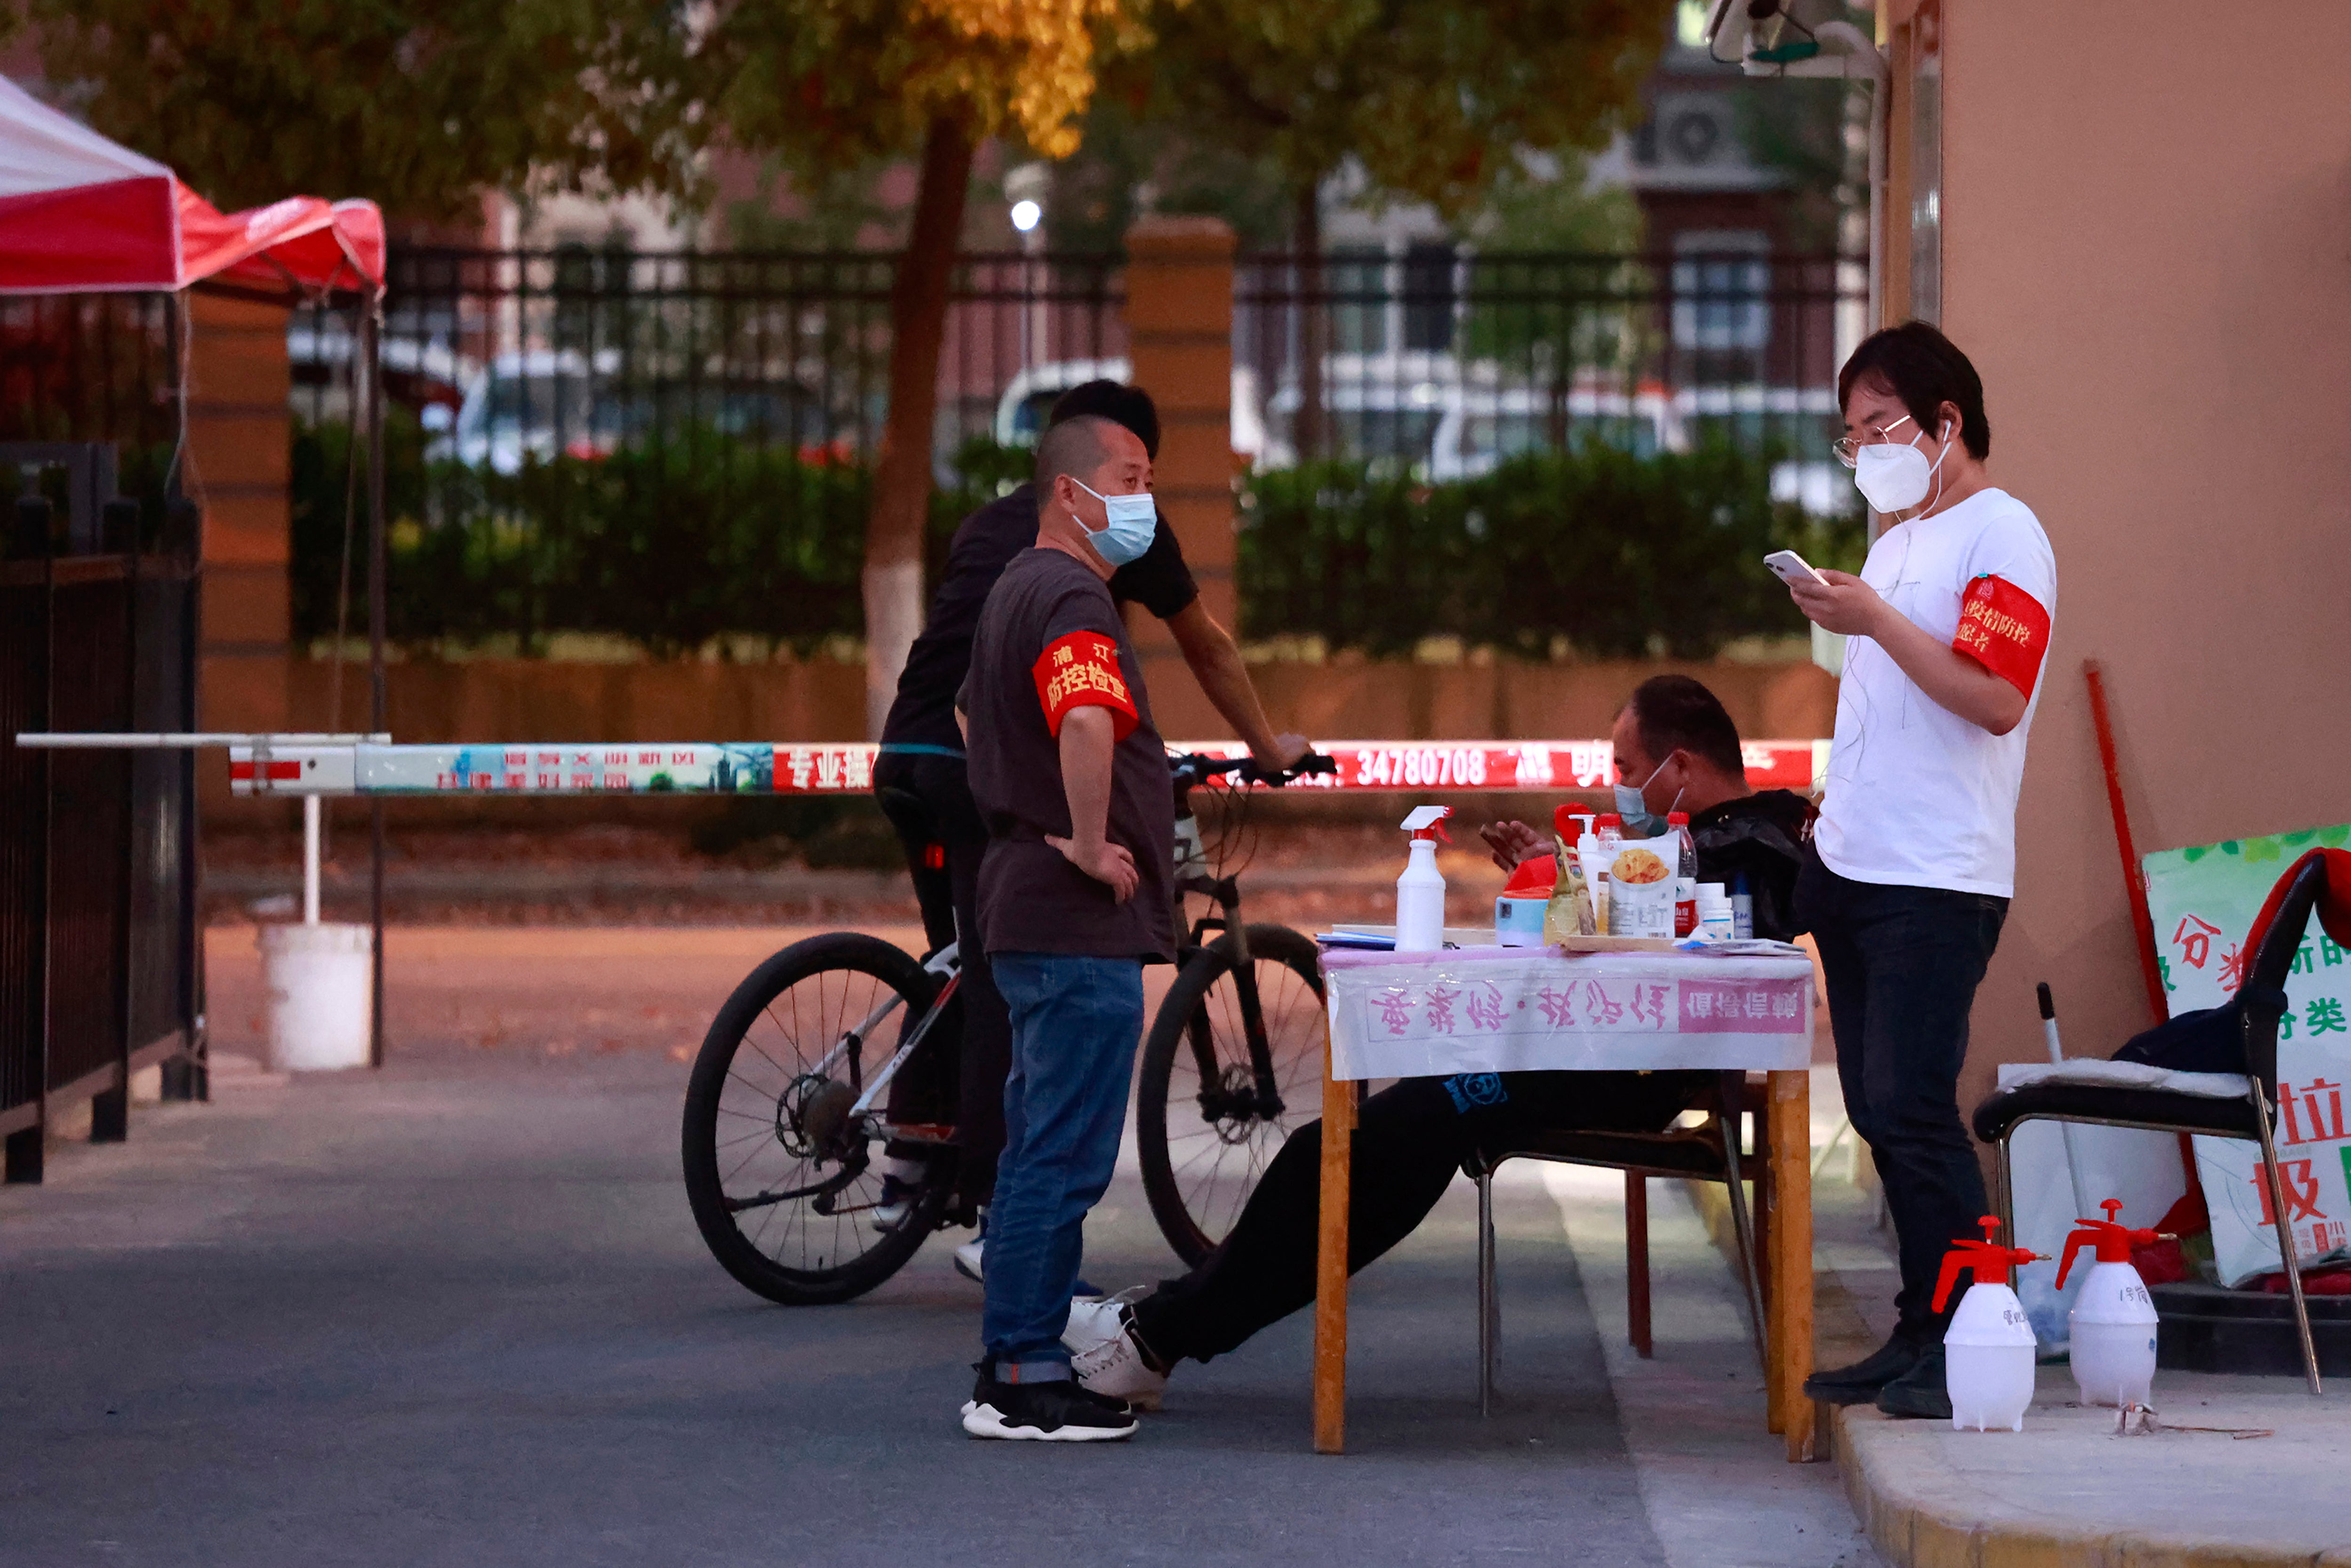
(758, 767)
(317, 765)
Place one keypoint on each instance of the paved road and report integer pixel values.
(457, 1312)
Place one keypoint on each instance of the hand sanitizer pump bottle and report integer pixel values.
(1988, 1350)
(2114, 1319)
(1420, 891)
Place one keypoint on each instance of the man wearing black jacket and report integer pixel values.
(920, 777)
(1411, 1137)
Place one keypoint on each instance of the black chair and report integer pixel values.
(2263, 1001)
(1709, 1152)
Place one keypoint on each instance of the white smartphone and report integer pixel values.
(1789, 567)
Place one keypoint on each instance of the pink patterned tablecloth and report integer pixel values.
(1517, 1010)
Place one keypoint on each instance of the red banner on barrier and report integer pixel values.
(1555, 765)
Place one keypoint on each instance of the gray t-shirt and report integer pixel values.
(1049, 639)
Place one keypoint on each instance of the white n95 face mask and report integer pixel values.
(1133, 520)
(1894, 478)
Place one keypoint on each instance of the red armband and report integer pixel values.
(2004, 629)
(1081, 670)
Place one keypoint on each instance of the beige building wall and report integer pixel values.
(2146, 251)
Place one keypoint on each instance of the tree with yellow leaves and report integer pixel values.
(839, 82)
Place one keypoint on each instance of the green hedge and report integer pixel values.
(671, 545)
(667, 545)
(1614, 555)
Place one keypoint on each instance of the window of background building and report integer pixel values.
(1721, 288)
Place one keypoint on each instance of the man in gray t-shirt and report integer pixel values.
(1072, 781)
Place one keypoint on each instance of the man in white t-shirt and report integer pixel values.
(1914, 858)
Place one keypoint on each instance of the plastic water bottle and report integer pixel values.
(1684, 876)
(2114, 1319)
(1988, 1352)
(1420, 891)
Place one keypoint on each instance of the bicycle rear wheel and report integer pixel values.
(1203, 1130)
(783, 1179)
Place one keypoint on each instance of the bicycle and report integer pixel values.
(834, 1020)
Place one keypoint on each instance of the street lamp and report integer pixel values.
(1026, 187)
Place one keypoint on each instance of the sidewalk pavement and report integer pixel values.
(2067, 1492)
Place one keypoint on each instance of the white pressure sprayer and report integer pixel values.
(1420, 891)
(2114, 1319)
(1988, 1352)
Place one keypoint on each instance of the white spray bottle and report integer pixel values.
(2114, 1319)
(1988, 1350)
(1420, 891)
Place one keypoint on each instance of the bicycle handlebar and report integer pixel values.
(1194, 767)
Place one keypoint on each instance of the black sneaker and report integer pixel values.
(1056, 1412)
(1859, 1384)
(1921, 1393)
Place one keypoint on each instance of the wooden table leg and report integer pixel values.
(1331, 1259)
(1790, 1198)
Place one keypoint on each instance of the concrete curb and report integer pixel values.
(1921, 1514)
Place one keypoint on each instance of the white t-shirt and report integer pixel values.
(1916, 795)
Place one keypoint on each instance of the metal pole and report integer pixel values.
(311, 813)
(373, 348)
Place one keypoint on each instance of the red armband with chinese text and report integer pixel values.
(2004, 629)
(1081, 670)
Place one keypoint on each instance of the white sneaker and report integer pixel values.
(1103, 1355)
(898, 1196)
(968, 1261)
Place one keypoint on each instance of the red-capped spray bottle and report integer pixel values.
(1988, 1350)
(2114, 1319)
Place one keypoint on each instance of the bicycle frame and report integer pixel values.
(943, 962)
(1192, 875)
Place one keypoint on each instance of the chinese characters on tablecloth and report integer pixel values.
(1450, 1005)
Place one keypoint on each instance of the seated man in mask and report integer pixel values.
(1411, 1137)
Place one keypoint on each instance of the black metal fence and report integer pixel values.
(672, 449)
(1445, 362)
(504, 356)
(78, 368)
(98, 958)
(637, 444)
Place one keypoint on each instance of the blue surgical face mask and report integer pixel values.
(1633, 805)
(1133, 520)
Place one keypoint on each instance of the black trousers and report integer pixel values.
(966, 1084)
(1410, 1139)
(1902, 966)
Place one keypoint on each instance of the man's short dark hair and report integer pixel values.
(1113, 400)
(1924, 370)
(1673, 713)
(1075, 446)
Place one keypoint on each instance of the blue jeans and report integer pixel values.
(1075, 1023)
(1902, 966)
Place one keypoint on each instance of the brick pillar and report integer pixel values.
(237, 460)
(1179, 319)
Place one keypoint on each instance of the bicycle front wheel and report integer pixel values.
(1206, 1126)
(783, 1178)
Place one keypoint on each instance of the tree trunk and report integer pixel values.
(1313, 321)
(893, 575)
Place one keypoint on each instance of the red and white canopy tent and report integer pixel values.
(80, 213)
(83, 215)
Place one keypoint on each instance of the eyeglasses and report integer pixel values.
(1848, 448)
